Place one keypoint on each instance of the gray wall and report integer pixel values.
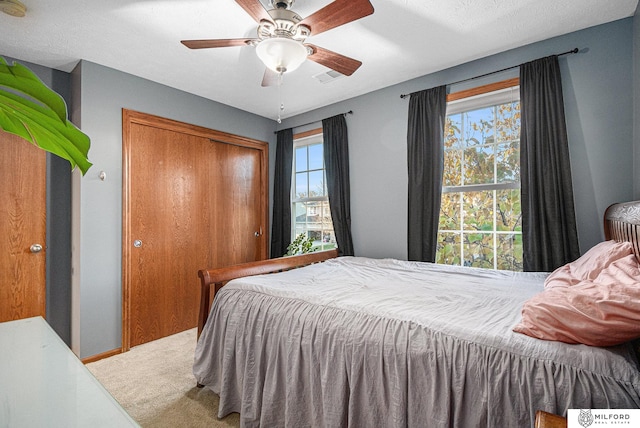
(597, 84)
(103, 94)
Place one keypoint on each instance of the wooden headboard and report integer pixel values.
(211, 280)
(622, 223)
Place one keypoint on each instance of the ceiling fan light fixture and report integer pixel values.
(281, 54)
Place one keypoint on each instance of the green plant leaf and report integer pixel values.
(302, 244)
(34, 112)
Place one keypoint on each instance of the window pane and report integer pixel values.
(452, 174)
(478, 165)
(300, 229)
(316, 185)
(453, 128)
(508, 162)
(315, 156)
(450, 211)
(313, 219)
(509, 251)
(478, 250)
(328, 237)
(326, 215)
(327, 211)
(478, 210)
(324, 176)
(301, 185)
(509, 215)
(299, 219)
(300, 213)
(448, 248)
(478, 127)
(301, 158)
(315, 235)
(508, 121)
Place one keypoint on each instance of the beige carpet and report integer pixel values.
(155, 385)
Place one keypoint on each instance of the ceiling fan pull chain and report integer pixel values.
(281, 109)
(280, 112)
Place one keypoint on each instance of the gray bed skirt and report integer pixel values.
(385, 343)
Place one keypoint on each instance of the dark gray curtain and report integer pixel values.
(549, 232)
(281, 225)
(425, 158)
(336, 160)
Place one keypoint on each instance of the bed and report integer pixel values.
(354, 341)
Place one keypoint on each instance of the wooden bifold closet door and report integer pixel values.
(194, 198)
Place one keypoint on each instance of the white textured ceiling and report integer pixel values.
(403, 39)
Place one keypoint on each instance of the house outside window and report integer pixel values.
(310, 214)
(480, 221)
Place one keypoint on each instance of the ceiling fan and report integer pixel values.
(282, 33)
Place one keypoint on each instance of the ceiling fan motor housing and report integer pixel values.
(284, 24)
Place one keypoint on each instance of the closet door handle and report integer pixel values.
(35, 248)
(259, 233)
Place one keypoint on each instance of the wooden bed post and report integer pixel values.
(205, 298)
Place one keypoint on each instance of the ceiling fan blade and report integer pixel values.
(338, 13)
(215, 43)
(255, 9)
(340, 63)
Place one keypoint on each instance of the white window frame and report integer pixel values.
(308, 140)
(493, 98)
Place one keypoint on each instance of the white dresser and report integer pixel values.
(44, 384)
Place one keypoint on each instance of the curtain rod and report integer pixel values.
(572, 51)
(311, 123)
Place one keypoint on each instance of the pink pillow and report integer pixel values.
(600, 312)
(589, 265)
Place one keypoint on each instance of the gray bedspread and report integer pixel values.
(386, 343)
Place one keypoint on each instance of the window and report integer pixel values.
(310, 213)
(480, 219)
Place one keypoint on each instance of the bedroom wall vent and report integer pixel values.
(327, 77)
